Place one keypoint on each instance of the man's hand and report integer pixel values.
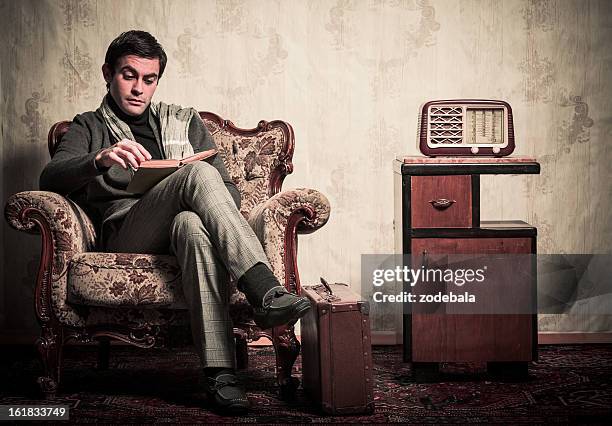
(125, 152)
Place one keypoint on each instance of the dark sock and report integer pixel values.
(256, 282)
(215, 371)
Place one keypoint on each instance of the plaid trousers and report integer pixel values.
(192, 215)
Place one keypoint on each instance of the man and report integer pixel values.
(192, 214)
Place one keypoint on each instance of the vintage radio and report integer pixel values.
(466, 127)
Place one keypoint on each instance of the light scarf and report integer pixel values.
(173, 120)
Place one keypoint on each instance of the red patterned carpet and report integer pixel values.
(569, 384)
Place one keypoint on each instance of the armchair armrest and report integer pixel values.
(66, 230)
(278, 220)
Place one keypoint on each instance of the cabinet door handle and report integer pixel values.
(442, 203)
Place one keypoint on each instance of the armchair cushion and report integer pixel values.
(125, 280)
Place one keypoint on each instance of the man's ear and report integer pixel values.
(107, 72)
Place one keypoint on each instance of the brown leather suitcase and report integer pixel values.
(337, 350)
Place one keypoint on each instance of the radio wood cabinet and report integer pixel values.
(437, 211)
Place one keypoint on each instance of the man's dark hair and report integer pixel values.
(138, 43)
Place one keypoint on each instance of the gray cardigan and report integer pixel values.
(72, 171)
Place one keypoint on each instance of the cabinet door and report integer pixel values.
(439, 337)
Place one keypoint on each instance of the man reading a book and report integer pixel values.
(193, 213)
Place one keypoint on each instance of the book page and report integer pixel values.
(153, 171)
(177, 163)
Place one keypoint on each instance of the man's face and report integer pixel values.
(134, 82)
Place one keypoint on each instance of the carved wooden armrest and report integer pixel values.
(278, 220)
(65, 229)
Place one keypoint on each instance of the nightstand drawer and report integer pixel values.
(441, 201)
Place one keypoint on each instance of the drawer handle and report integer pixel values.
(442, 203)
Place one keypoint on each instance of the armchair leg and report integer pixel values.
(242, 354)
(50, 345)
(103, 354)
(287, 349)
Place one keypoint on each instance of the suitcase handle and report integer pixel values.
(326, 285)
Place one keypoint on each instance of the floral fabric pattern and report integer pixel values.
(125, 280)
(71, 232)
(249, 161)
(269, 221)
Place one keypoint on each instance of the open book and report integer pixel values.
(153, 171)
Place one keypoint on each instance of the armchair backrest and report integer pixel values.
(257, 159)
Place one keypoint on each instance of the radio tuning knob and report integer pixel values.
(495, 150)
(474, 150)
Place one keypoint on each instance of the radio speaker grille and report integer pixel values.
(446, 125)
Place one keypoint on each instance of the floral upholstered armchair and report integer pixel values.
(86, 295)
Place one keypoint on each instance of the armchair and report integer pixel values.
(87, 296)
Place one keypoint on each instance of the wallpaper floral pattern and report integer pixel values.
(349, 75)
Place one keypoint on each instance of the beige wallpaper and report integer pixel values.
(349, 75)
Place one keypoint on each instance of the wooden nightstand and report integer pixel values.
(437, 211)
